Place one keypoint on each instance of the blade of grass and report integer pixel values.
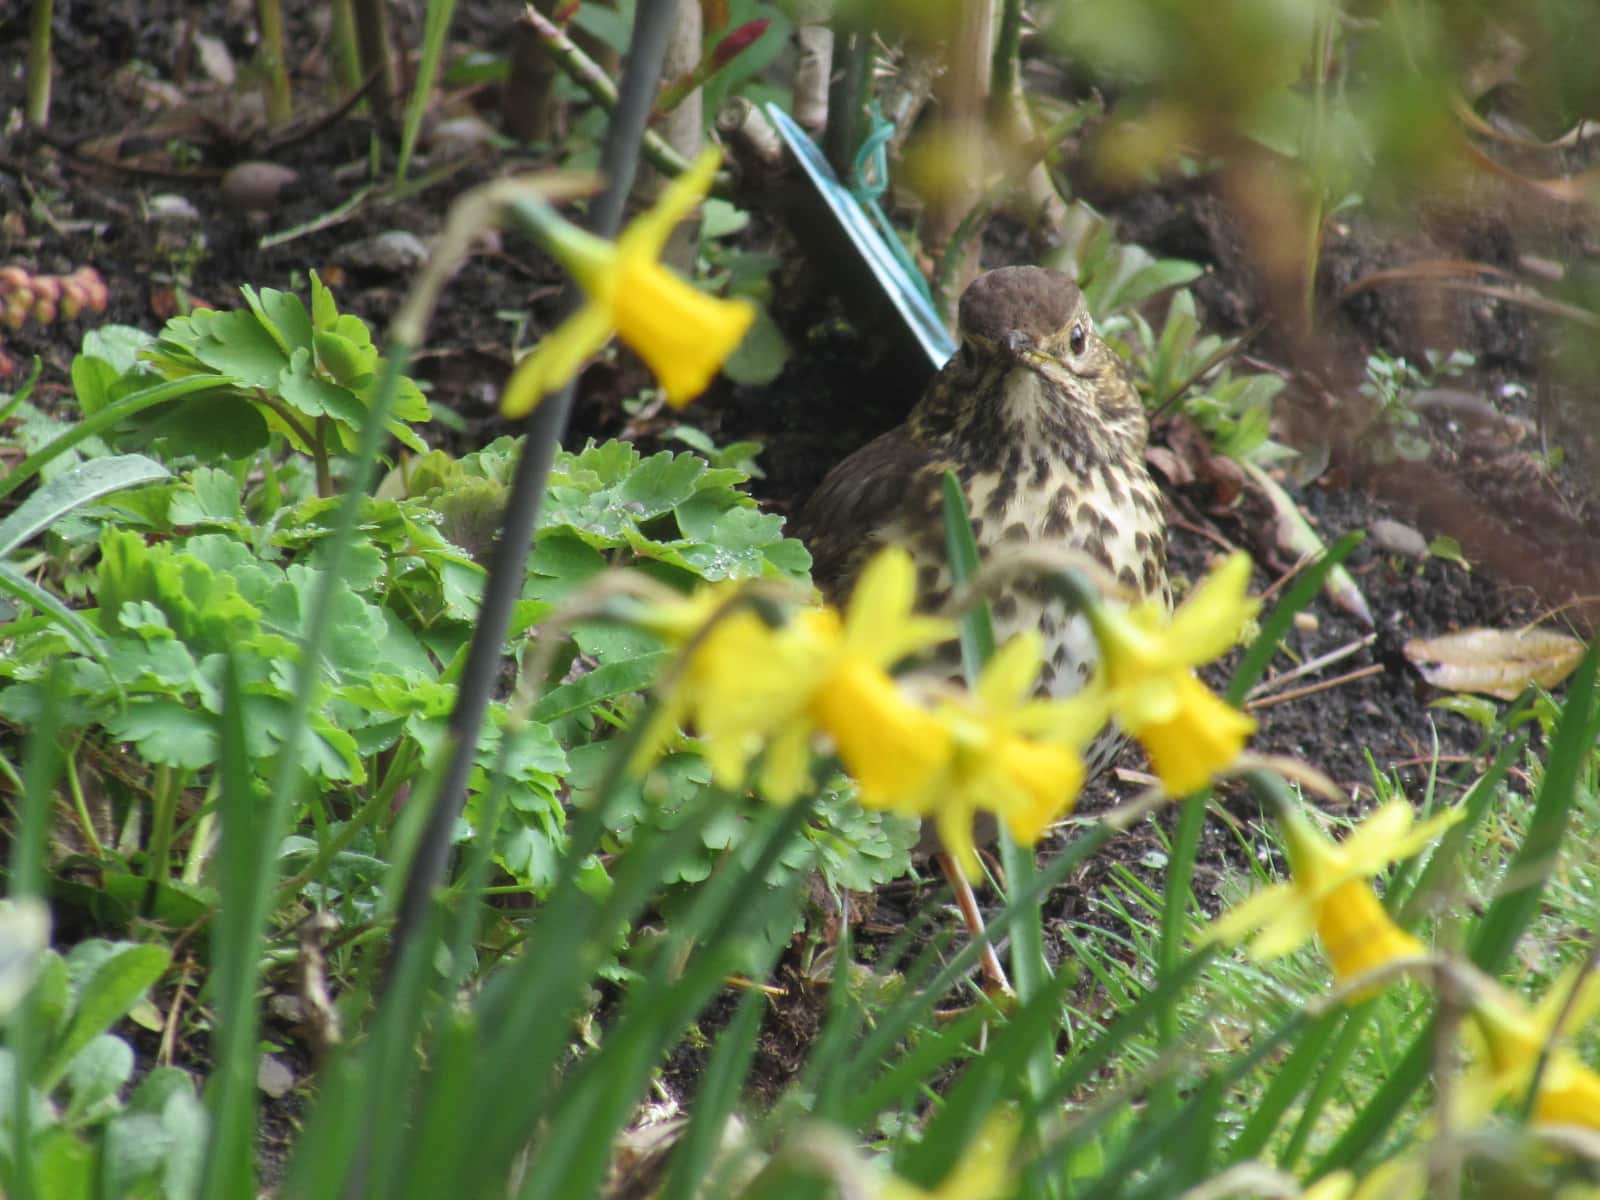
(988, 1080)
(573, 1156)
(435, 31)
(1524, 879)
(229, 1168)
(41, 765)
(695, 1156)
(1254, 661)
(111, 414)
(1191, 817)
(230, 1158)
(1298, 1071)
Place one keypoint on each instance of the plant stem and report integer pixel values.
(270, 15)
(319, 455)
(372, 37)
(618, 160)
(347, 54)
(382, 798)
(434, 32)
(78, 806)
(588, 75)
(169, 786)
(39, 63)
(1007, 52)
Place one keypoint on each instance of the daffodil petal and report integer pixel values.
(648, 232)
(1149, 700)
(786, 769)
(1569, 1094)
(1203, 737)
(682, 333)
(1357, 935)
(1045, 780)
(879, 623)
(1249, 915)
(1287, 929)
(554, 360)
(1375, 840)
(882, 598)
(954, 822)
(890, 746)
(1071, 722)
(1010, 674)
(1208, 622)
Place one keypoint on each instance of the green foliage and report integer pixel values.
(275, 366)
(1392, 384)
(146, 1143)
(205, 564)
(1191, 368)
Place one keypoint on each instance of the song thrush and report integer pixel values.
(1039, 421)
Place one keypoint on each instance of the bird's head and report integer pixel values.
(1030, 359)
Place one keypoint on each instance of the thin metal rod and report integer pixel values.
(619, 158)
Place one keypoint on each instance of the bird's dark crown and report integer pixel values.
(1032, 369)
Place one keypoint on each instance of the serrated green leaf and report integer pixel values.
(307, 392)
(323, 310)
(236, 344)
(660, 483)
(166, 731)
(285, 313)
(218, 425)
(205, 608)
(212, 497)
(349, 364)
(761, 356)
(118, 346)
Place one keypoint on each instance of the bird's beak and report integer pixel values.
(1017, 344)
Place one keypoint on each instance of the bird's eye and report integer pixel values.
(1077, 339)
(967, 356)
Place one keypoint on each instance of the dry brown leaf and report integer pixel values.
(1495, 662)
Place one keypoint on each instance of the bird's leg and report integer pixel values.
(994, 974)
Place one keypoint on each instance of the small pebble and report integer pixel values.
(397, 251)
(274, 1077)
(255, 186)
(1394, 538)
(169, 208)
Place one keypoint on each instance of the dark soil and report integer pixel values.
(81, 193)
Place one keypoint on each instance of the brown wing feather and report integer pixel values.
(889, 482)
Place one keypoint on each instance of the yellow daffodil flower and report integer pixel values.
(1329, 895)
(996, 750)
(1511, 1038)
(1146, 676)
(984, 1171)
(746, 686)
(681, 333)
